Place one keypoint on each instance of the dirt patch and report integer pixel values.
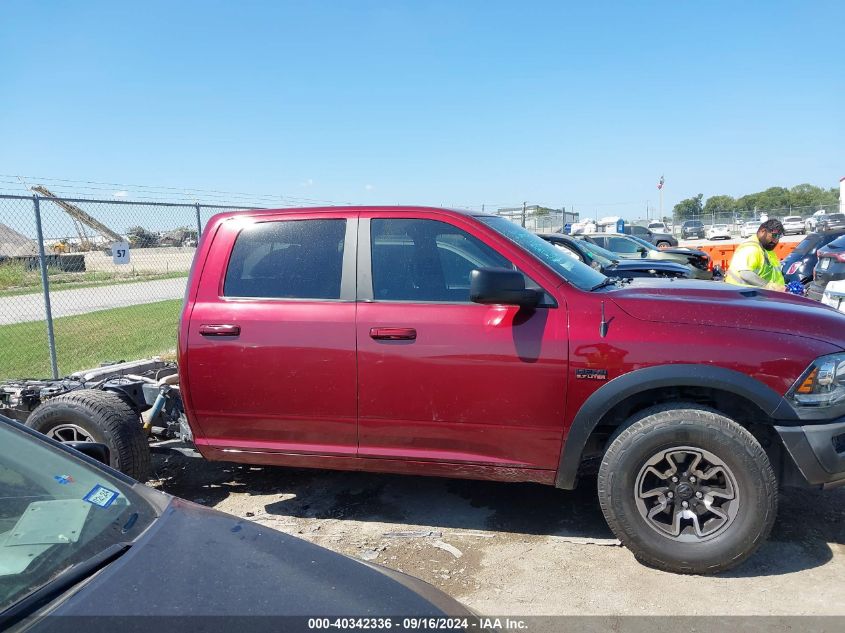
(519, 549)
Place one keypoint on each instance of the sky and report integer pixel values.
(465, 103)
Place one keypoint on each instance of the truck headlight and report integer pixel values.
(822, 385)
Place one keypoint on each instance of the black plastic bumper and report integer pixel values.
(818, 451)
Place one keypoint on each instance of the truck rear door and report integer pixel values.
(270, 361)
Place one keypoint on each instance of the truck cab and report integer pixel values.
(439, 342)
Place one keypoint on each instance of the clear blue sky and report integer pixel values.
(456, 103)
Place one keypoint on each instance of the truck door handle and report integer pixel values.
(393, 333)
(220, 330)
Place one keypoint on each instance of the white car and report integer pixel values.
(793, 224)
(749, 228)
(812, 222)
(718, 232)
(658, 227)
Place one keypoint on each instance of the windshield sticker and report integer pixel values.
(101, 496)
(64, 479)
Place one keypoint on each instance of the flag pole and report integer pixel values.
(660, 189)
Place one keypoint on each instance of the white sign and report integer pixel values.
(120, 253)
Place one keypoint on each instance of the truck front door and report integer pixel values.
(441, 378)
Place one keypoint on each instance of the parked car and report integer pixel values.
(630, 247)
(793, 224)
(830, 267)
(439, 342)
(831, 222)
(611, 265)
(660, 240)
(799, 264)
(811, 223)
(692, 229)
(81, 539)
(749, 228)
(718, 232)
(658, 227)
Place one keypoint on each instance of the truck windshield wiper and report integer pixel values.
(607, 282)
(61, 583)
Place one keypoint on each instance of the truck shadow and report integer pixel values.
(808, 521)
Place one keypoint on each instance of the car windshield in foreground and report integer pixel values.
(56, 513)
(575, 272)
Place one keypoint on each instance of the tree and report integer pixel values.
(689, 208)
(139, 237)
(719, 204)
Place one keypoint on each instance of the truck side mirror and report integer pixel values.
(501, 286)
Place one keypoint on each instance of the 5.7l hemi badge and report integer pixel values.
(591, 374)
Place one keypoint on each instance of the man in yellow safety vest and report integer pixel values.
(754, 263)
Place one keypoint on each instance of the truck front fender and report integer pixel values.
(662, 376)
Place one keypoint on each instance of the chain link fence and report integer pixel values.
(539, 219)
(735, 219)
(83, 282)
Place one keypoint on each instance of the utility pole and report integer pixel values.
(523, 214)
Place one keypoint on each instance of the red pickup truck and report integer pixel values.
(438, 342)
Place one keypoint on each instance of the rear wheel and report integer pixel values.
(687, 490)
(663, 245)
(89, 415)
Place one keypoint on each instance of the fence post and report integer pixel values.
(199, 222)
(45, 284)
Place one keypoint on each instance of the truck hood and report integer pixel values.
(718, 304)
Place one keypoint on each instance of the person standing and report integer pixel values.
(754, 263)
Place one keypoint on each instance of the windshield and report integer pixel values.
(601, 255)
(641, 241)
(577, 273)
(809, 243)
(55, 512)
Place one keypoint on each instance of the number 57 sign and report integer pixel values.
(120, 252)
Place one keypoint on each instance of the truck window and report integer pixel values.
(287, 259)
(426, 260)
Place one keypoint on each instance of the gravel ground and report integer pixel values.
(520, 549)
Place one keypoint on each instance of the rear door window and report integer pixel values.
(287, 259)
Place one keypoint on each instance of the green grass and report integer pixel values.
(15, 280)
(86, 340)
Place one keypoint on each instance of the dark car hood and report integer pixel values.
(690, 252)
(719, 304)
(662, 265)
(197, 561)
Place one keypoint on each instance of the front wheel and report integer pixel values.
(687, 489)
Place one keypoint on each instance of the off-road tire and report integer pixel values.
(107, 419)
(687, 425)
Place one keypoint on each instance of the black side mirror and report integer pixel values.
(501, 286)
(94, 450)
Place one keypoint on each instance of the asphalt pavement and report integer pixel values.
(24, 308)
